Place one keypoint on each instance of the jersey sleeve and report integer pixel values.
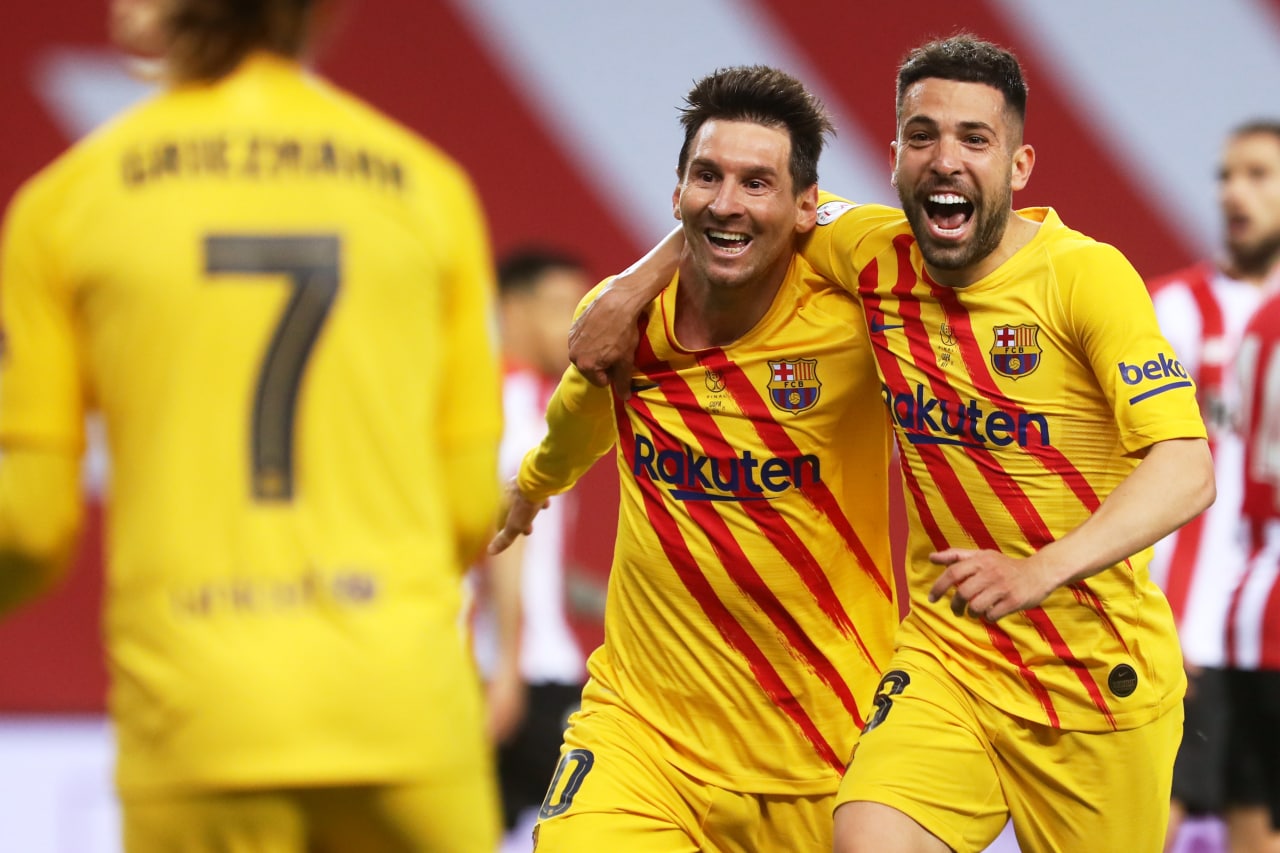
(471, 413)
(580, 429)
(42, 386)
(842, 227)
(1150, 391)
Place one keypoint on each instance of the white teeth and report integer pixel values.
(948, 198)
(725, 235)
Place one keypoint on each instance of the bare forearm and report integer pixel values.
(603, 337)
(1171, 485)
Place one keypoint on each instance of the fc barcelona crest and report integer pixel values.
(793, 384)
(1015, 353)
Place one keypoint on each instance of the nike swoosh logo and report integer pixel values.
(877, 326)
(637, 387)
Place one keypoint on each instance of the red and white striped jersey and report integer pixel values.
(1203, 313)
(1253, 626)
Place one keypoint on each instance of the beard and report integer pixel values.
(1254, 259)
(990, 220)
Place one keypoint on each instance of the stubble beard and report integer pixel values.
(991, 223)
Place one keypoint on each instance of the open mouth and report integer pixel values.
(728, 241)
(948, 212)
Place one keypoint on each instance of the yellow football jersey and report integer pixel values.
(281, 303)
(1019, 402)
(751, 602)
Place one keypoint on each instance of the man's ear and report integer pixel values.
(893, 164)
(1024, 160)
(807, 209)
(675, 201)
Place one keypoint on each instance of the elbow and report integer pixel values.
(1204, 486)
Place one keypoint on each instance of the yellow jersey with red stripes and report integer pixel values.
(751, 601)
(282, 305)
(1019, 402)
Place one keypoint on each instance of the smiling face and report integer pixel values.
(739, 209)
(1249, 193)
(957, 160)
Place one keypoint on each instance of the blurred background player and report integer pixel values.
(525, 641)
(1203, 310)
(1253, 639)
(281, 302)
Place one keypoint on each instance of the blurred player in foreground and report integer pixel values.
(281, 303)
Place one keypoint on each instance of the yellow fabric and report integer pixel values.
(40, 512)
(450, 815)
(1065, 790)
(611, 784)
(282, 573)
(750, 605)
(1010, 445)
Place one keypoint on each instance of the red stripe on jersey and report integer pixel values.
(1086, 596)
(770, 522)
(1270, 630)
(1020, 507)
(1050, 634)
(780, 443)
(936, 466)
(1233, 612)
(686, 567)
(1004, 643)
(1034, 528)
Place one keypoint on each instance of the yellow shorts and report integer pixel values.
(611, 791)
(453, 815)
(961, 768)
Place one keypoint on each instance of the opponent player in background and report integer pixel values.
(1203, 311)
(751, 599)
(1048, 437)
(524, 638)
(281, 302)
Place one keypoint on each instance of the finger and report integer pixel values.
(944, 582)
(620, 378)
(945, 558)
(502, 541)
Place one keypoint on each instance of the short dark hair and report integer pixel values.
(967, 59)
(520, 269)
(764, 95)
(207, 39)
(1257, 125)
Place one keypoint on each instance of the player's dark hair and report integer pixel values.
(209, 38)
(764, 95)
(967, 59)
(1258, 125)
(520, 269)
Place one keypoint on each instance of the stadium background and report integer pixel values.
(564, 113)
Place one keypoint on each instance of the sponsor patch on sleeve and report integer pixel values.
(830, 211)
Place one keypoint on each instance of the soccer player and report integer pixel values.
(1203, 310)
(524, 637)
(1253, 644)
(1048, 437)
(281, 303)
(751, 600)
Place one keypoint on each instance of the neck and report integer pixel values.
(709, 315)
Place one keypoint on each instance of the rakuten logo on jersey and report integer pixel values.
(1162, 372)
(695, 477)
(927, 420)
